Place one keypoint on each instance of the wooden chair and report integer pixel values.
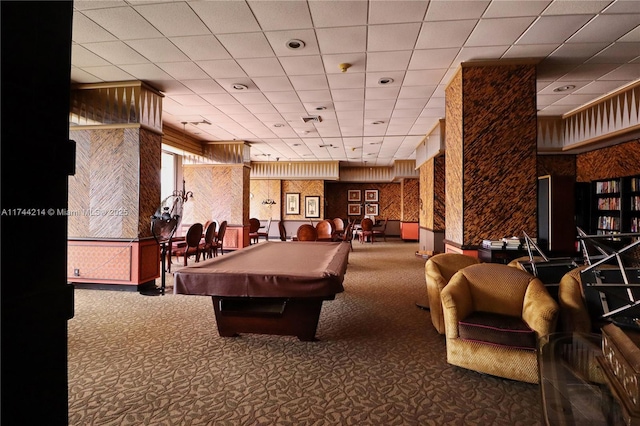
(338, 228)
(325, 230)
(366, 230)
(307, 232)
(192, 244)
(206, 247)
(219, 240)
(282, 230)
(265, 232)
(347, 235)
(381, 232)
(254, 226)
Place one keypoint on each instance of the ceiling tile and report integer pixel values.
(530, 51)
(262, 109)
(109, 73)
(348, 94)
(86, 31)
(455, 10)
(278, 41)
(189, 100)
(423, 77)
(97, 4)
(281, 15)
(382, 92)
(388, 61)
(250, 98)
(116, 52)
(606, 28)
(123, 22)
(435, 35)
(349, 106)
(356, 60)
(183, 70)
(261, 67)
(588, 72)
(282, 97)
(433, 58)
(392, 37)
(628, 72)
(309, 82)
(416, 92)
(553, 29)
(480, 53)
(204, 86)
(302, 65)
(82, 57)
(338, 13)
(226, 17)
(346, 80)
(514, 8)
(566, 7)
(158, 50)
(387, 12)
(499, 31)
(342, 40)
(227, 68)
(146, 72)
(273, 84)
(373, 78)
(314, 95)
(616, 53)
(201, 48)
(173, 19)
(246, 45)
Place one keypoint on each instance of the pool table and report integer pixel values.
(269, 288)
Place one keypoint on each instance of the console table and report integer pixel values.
(500, 255)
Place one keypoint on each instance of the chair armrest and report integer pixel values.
(456, 304)
(539, 310)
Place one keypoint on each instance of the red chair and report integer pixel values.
(366, 230)
(254, 227)
(307, 232)
(206, 247)
(192, 244)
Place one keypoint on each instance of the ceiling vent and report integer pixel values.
(312, 119)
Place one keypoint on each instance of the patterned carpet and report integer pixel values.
(142, 360)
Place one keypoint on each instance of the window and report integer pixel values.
(168, 175)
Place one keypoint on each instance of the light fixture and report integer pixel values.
(295, 44)
(385, 80)
(278, 125)
(321, 108)
(268, 201)
(239, 86)
(564, 88)
(378, 122)
(344, 67)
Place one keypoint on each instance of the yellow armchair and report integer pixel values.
(507, 309)
(438, 271)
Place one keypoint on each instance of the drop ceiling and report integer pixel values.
(195, 52)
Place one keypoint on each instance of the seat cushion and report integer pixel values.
(497, 329)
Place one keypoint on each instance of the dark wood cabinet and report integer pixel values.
(556, 215)
(615, 205)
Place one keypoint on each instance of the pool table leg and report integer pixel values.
(292, 317)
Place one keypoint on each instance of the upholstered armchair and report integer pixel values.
(438, 271)
(494, 315)
(574, 315)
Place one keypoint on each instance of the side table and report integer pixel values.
(573, 386)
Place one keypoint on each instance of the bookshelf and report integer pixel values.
(616, 205)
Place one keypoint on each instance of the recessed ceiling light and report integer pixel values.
(385, 80)
(378, 122)
(321, 108)
(564, 88)
(239, 86)
(278, 125)
(295, 44)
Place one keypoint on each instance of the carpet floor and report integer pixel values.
(144, 360)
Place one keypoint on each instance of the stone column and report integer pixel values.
(490, 137)
(116, 187)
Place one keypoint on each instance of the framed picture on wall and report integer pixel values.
(354, 210)
(292, 203)
(353, 195)
(312, 206)
(371, 210)
(371, 195)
